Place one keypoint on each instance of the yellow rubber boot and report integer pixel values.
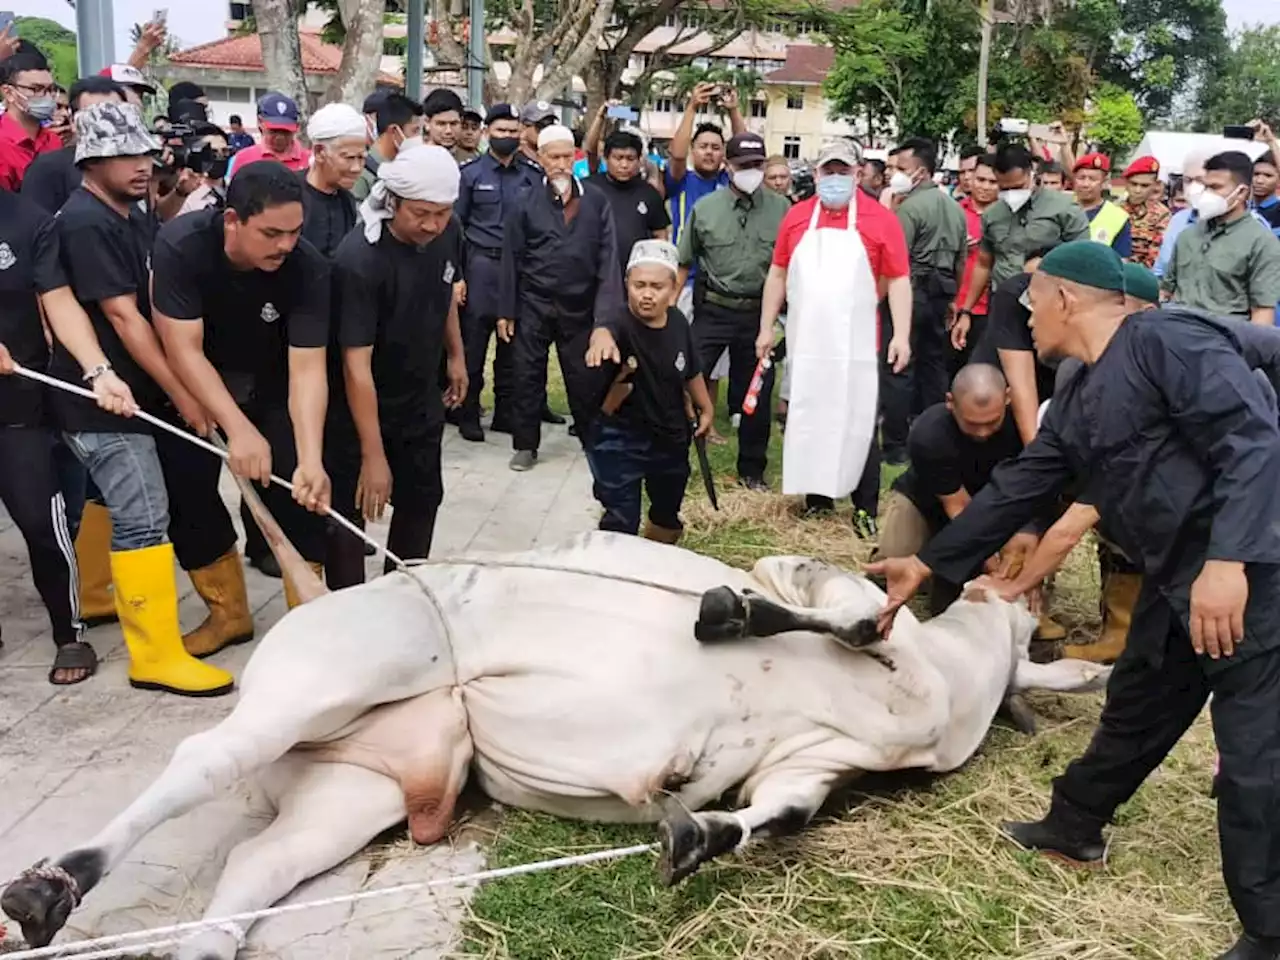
(221, 586)
(290, 591)
(661, 534)
(147, 601)
(1119, 596)
(93, 560)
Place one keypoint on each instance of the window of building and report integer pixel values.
(241, 11)
(759, 108)
(230, 94)
(791, 148)
(664, 105)
(795, 99)
(673, 20)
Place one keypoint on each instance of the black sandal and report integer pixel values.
(76, 655)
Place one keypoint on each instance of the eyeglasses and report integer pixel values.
(46, 90)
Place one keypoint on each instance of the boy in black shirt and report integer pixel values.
(242, 302)
(639, 212)
(102, 243)
(397, 317)
(643, 433)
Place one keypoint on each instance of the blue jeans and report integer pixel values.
(126, 469)
(622, 458)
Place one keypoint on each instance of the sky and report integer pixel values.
(199, 21)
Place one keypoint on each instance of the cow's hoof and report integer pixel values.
(39, 905)
(682, 842)
(1019, 713)
(721, 616)
(861, 635)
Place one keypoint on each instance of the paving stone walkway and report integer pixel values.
(72, 757)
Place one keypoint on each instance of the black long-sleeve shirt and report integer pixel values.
(572, 264)
(1180, 446)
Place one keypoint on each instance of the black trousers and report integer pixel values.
(479, 325)
(199, 525)
(540, 324)
(344, 551)
(896, 391)
(866, 496)
(976, 348)
(30, 491)
(715, 329)
(932, 354)
(1148, 709)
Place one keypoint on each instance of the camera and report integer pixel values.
(1014, 126)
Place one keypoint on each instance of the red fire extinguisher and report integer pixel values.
(752, 399)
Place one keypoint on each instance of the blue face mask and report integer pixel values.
(835, 191)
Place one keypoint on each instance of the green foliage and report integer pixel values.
(55, 41)
(1248, 84)
(1115, 122)
(879, 51)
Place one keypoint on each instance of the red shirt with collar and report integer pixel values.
(18, 148)
(973, 220)
(878, 227)
(297, 159)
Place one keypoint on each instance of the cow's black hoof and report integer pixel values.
(39, 906)
(682, 842)
(721, 616)
(862, 634)
(1019, 713)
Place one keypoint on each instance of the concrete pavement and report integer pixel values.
(73, 757)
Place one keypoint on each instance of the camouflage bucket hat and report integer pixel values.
(112, 130)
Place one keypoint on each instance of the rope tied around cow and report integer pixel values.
(44, 870)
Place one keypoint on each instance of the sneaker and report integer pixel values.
(754, 484)
(523, 460)
(865, 526)
(1249, 947)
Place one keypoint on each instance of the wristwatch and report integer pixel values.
(962, 312)
(96, 372)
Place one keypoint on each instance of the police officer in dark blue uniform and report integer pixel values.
(491, 188)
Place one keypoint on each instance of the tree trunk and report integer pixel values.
(984, 63)
(281, 53)
(570, 62)
(361, 51)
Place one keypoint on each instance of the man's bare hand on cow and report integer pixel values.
(373, 489)
(250, 455)
(1218, 599)
(311, 487)
(903, 577)
(602, 348)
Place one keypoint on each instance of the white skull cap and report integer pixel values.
(556, 133)
(661, 253)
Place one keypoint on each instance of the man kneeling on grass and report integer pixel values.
(642, 435)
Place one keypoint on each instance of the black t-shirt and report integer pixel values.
(251, 317)
(665, 361)
(103, 255)
(326, 217)
(944, 459)
(638, 210)
(51, 179)
(395, 297)
(1008, 330)
(21, 329)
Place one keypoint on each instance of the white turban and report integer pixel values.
(418, 172)
(556, 133)
(336, 121)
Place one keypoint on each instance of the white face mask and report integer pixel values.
(1016, 199)
(1211, 205)
(901, 183)
(748, 181)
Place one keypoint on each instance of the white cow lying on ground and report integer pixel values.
(570, 680)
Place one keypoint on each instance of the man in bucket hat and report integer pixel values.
(101, 246)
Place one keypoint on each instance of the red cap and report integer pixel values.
(1143, 165)
(1093, 161)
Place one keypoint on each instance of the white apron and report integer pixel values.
(832, 352)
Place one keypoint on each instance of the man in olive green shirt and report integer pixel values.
(1226, 262)
(938, 241)
(1025, 218)
(730, 236)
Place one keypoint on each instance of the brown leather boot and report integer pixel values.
(1050, 629)
(93, 560)
(1119, 596)
(661, 534)
(290, 592)
(221, 586)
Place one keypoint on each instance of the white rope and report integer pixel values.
(203, 444)
(72, 950)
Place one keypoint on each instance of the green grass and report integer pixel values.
(910, 868)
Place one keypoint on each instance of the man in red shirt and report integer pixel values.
(278, 124)
(29, 104)
(982, 193)
(833, 273)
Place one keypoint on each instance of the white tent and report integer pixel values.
(1170, 148)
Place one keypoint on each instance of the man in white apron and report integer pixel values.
(837, 254)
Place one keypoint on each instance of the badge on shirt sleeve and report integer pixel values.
(7, 259)
(680, 362)
(448, 271)
(269, 313)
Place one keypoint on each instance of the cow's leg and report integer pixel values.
(1066, 676)
(725, 615)
(782, 802)
(327, 812)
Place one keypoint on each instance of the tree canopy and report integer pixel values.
(55, 41)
